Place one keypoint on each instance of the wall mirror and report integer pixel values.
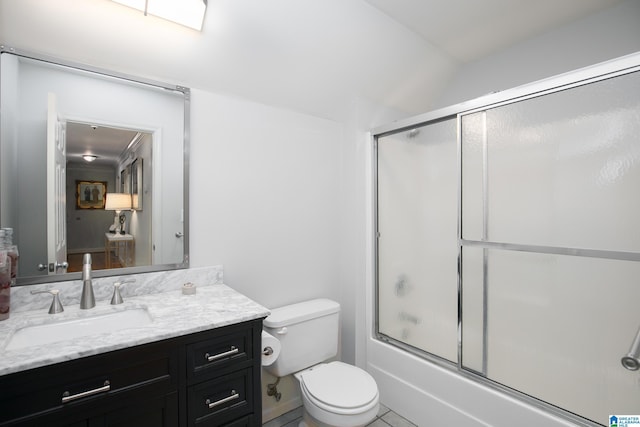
(91, 162)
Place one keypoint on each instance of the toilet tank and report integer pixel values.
(308, 334)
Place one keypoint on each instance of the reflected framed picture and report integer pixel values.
(136, 184)
(90, 194)
(125, 180)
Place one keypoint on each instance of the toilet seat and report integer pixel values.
(339, 388)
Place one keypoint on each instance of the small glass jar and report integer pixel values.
(6, 242)
(5, 284)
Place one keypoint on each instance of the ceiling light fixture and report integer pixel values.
(189, 13)
(89, 157)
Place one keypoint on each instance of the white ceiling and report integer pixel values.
(468, 30)
(105, 142)
(313, 56)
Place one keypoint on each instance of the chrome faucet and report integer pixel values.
(116, 298)
(56, 305)
(87, 300)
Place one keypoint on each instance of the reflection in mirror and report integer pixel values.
(99, 159)
(71, 140)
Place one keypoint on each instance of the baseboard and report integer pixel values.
(84, 251)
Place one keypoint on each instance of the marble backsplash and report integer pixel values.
(145, 284)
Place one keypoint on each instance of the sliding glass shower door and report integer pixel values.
(551, 245)
(539, 198)
(417, 248)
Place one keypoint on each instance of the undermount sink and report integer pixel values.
(49, 333)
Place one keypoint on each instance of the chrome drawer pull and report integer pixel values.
(234, 395)
(67, 397)
(233, 350)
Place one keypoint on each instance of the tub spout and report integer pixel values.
(632, 360)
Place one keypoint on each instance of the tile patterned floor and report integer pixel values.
(385, 418)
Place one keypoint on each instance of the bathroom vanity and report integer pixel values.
(195, 362)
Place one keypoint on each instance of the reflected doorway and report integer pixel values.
(121, 161)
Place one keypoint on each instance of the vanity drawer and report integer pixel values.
(105, 380)
(221, 400)
(219, 353)
(247, 421)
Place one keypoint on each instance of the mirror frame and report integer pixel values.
(186, 92)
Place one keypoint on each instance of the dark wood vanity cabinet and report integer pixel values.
(210, 378)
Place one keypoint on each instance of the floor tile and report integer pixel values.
(285, 419)
(293, 423)
(385, 418)
(378, 423)
(396, 420)
(383, 410)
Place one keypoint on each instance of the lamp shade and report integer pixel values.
(117, 201)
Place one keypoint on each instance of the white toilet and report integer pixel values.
(334, 394)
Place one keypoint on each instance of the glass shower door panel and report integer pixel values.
(558, 327)
(473, 310)
(561, 168)
(417, 244)
(473, 155)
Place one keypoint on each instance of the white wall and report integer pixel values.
(597, 38)
(265, 198)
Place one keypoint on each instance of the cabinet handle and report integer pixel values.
(211, 405)
(210, 358)
(67, 397)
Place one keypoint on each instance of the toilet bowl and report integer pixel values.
(337, 395)
(334, 394)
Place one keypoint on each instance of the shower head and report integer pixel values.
(413, 133)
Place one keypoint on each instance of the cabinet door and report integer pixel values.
(81, 392)
(158, 412)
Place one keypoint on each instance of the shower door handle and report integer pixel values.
(632, 360)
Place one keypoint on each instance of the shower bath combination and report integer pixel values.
(485, 270)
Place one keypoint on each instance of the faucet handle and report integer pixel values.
(56, 305)
(116, 298)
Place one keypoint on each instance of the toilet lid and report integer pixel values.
(340, 385)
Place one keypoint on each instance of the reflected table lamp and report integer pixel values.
(118, 202)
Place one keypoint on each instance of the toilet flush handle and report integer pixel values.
(282, 331)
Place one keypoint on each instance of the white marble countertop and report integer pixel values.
(172, 314)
